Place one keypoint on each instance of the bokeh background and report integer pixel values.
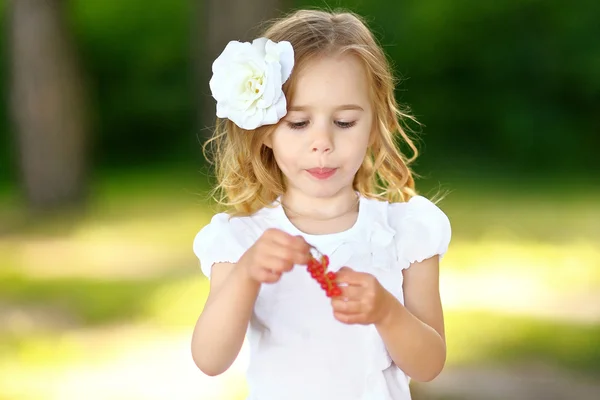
(103, 186)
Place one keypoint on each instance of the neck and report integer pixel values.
(299, 205)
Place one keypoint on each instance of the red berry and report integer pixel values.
(326, 279)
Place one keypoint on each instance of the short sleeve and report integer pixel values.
(221, 240)
(422, 229)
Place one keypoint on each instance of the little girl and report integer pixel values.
(306, 162)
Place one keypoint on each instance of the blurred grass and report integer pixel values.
(473, 337)
(165, 303)
(494, 339)
(542, 209)
(91, 301)
(126, 260)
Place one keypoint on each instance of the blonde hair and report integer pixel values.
(248, 177)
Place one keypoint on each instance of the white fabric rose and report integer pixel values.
(247, 82)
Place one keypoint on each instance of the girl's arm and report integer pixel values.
(414, 333)
(220, 330)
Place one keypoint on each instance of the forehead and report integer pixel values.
(330, 81)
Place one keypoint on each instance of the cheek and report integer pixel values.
(284, 154)
(355, 147)
(357, 159)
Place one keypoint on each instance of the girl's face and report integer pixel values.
(321, 143)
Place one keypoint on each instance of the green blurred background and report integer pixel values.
(103, 187)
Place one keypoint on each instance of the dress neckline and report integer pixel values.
(294, 230)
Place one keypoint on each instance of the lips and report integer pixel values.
(322, 173)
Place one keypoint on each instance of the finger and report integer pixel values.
(273, 233)
(281, 258)
(269, 276)
(296, 252)
(350, 277)
(342, 274)
(295, 258)
(290, 248)
(347, 307)
(345, 270)
(351, 318)
(300, 248)
(296, 243)
(301, 258)
(280, 237)
(351, 292)
(299, 244)
(278, 264)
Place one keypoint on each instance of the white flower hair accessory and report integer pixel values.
(247, 82)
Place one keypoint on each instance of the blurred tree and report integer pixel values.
(509, 87)
(48, 104)
(218, 22)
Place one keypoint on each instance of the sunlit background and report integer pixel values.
(103, 187)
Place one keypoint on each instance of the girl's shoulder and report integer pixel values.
(421, 229)
(226, 238)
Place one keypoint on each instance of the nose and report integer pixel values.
(322, 141)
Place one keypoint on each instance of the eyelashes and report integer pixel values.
(297, 125)
(304, 124)
(345, 125)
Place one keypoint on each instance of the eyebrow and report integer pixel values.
(342, 107)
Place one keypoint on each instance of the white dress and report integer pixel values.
(298, 350)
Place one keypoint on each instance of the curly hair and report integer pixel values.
(248, 178)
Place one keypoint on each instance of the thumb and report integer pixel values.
(348, 275)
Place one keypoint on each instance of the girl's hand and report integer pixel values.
(274, 253)
(363, 301)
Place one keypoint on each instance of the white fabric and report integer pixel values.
(297, 349)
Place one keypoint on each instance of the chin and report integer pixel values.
(323, 189)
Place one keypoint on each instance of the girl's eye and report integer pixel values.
(345, 125)
(304, 124)
(297, 125)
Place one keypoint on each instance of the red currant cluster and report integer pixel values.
(318, 271)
